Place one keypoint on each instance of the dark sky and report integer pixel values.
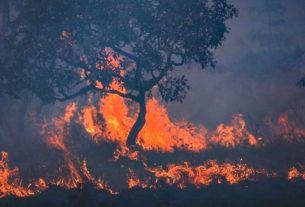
(257, 67)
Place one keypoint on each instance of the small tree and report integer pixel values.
(52, 42)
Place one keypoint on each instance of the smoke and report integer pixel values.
(257, 67)
(256, 74)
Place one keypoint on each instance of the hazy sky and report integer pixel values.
(258, 66)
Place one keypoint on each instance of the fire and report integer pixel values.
(234, 135)
(294, 173)
(118, 123)
(10, 184)
(124, 151)
(56, 131)
(41, 184)
(160, 132)
(56, 138)
(112, 120)
(211, 171)
(286, 129)
(134, 181)
(90, 123)
(179, 175)
(99, 183)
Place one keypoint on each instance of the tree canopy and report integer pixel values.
(62, 49)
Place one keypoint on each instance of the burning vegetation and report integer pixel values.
(120, 136)
(105, 124)
(111, 120)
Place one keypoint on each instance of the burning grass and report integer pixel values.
(90, 142)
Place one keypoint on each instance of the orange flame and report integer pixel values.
(294, 173)
(286, 129)
(8, 184)
(160, 133)
(234, 135)
(90, 123)
(184, 175)
(56, 138)
(99, 183)
(134, 181)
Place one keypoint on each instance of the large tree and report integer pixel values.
(122, 47)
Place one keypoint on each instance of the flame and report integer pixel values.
(112, 120)
(294, 173)
(134, 181)
(10, 184)
(211, 171)
(90, 123)
(163, 134)
(40, 184)
(179, 175)
(234, 135)
(99, 183)
(56, 131)
(287, 129)
(124, 151)
(56, 138)
(77, 178)
(115, 113)
(160, 132)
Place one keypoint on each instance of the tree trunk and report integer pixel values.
(138, 125)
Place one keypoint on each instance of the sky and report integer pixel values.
(257, 67)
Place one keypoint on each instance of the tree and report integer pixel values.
(122, 47)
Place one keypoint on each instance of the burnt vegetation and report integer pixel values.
(267, 193)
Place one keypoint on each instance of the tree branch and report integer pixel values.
(92, 88)
(76, 94)
(126, 54)
(124, 95)
(163, 72)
